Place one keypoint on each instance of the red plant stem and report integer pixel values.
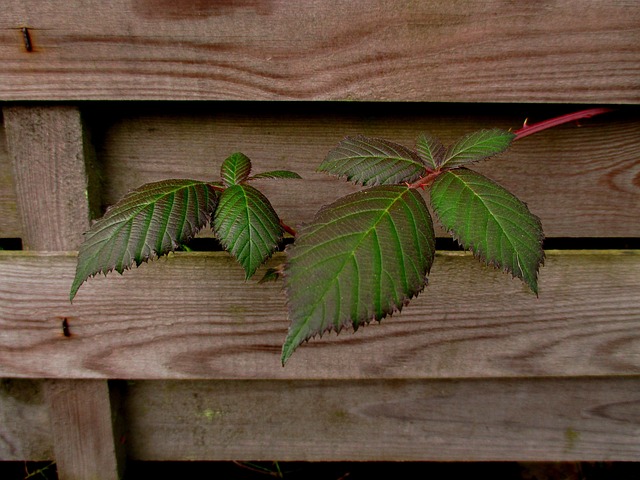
(527, 130)
(422, 182)
(287, 228)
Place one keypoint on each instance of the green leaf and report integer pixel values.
(490, 221)
(150, 221)
(276, 174)
(373, 161)
(362, 258)
(431, 150)
(477, 146)
(247, 226)
(235, 169)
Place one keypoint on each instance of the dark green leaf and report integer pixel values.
(235, 169)
(247, 226)
(477, 146)
(373, 161)
(362, 258)
(150, 221)
(276, 174)
(431, 150)
(490, 221)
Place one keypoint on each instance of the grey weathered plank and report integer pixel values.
(25, 432)
(491, 51)
(192, 315)
(10, 225)
(581, 181)
(48, 155)
(84, 446)
(47, 151)
(466, 419)
(419, 420)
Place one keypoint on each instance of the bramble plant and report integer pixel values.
(361, 258)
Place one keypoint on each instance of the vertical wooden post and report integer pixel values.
(47, 149)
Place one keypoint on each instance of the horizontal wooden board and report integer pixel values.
(490, 51)
(10, 226)
(572, 419)
(463, 420)
(192, 315)
(582, 181)
(25, 431)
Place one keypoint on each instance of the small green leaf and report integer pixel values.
(276, 174)
(247, 226)
(431, 150)
(362, 258)
(490, 221)
(477, 146)
(235, 169)
(373, 161)
(150, 221)
(271, 275)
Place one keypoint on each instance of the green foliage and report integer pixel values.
(153, 220)
(158, 218)
(487, 219)
(368, 254)
(477, 146)
(373, 161)
(247, 226)
(362, 258)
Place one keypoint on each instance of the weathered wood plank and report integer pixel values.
(467, 419)
(10, 225)
(24, 421)
(463, 420)
(491, 51)
(192, 316)
(582, 182)
(82, 428)
(47, 151)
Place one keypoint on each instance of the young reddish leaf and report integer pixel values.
(477, 146)
(276, 174)
(362, 258)
(247, 226)
(490, 221)
(150, 221)
(431, 150)
(373, 161)
(235, 169)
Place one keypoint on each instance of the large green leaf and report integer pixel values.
(247, 226)
(149, 221)
(477, 146)
(373, 161)
(490, 221)
(235, 169)
(362, 258)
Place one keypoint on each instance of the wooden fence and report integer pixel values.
(179, 359)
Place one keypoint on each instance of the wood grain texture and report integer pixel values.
(10, 225)
(47, 147)
(192, 316)
(492, 51)
(47, 151)
(24, 421)
(81, 424)
(582, 181)
(463, 420)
